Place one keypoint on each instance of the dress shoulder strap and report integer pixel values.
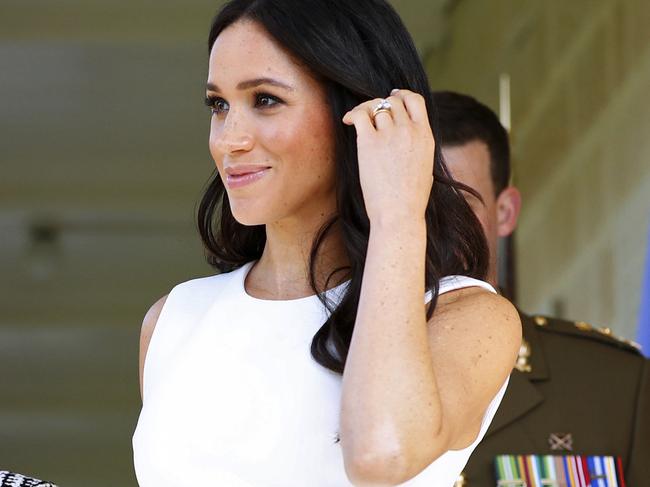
(451, 283)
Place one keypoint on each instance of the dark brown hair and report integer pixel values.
(464, 119)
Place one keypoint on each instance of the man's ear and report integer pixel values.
(508, 206)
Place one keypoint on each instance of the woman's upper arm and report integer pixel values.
(148, 326)
(474, 338)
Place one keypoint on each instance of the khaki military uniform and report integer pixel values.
(576, 390)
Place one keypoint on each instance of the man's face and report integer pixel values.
(470, 165)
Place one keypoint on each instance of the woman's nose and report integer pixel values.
(233, 136)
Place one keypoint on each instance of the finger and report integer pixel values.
(361, 121)
(396, 116)
(382, 119)
(400, 115)
(414, 104)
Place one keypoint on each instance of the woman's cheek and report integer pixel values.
(217, 157)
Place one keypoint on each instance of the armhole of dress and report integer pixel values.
(493, 405)
(491, 411)
(488, 417)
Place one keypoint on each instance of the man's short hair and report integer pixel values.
(463, 119)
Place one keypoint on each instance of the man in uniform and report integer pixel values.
(575, 389)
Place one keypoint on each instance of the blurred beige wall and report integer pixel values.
(103, 155)
(580, 114)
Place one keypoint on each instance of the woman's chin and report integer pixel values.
(248, 218)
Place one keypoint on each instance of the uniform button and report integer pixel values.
(540, 321)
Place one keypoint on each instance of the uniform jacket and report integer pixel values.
(580, 383)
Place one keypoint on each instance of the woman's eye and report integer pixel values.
(216, 105)
(266, 100)
(219, 106)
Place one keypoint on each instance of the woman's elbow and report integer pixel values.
(384, 470)
(375, 470)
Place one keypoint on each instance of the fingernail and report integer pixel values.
(394, 91)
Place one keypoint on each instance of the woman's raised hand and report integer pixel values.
(395, 157)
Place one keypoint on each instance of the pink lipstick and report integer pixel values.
(242, 177)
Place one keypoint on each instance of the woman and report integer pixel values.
(310, 359)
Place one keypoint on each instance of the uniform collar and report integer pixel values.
(521, 396)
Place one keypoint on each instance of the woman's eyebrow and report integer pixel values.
(252, 83)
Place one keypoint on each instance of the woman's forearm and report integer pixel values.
(390, 407)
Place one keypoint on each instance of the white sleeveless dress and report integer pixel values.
(232, 396)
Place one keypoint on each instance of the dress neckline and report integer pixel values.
(241, 282)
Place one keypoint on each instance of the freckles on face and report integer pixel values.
(299, 142)
(286, 128)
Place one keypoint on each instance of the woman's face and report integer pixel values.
(270, 113)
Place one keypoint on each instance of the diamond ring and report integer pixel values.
(382, 106)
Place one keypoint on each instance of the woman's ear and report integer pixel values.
(508, 206)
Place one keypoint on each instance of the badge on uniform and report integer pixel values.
(559, 471)
(560, 441)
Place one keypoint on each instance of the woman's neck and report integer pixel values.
(282, 271)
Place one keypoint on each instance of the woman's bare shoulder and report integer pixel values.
(147, 329)
(477, 312)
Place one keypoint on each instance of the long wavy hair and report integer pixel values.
(358, 50)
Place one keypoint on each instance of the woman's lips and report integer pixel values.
(243, 179)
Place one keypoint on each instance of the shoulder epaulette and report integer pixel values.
(585, 330)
